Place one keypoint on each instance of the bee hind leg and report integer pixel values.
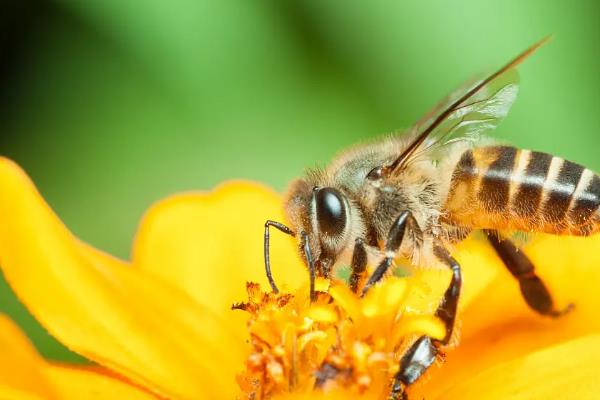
(533, 289)
(423, 352)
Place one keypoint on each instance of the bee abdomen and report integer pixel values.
(500, 187)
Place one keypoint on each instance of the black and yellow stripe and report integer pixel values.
(530, 189)
(494, 189)
(501, 187)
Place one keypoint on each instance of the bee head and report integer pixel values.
(323, 214)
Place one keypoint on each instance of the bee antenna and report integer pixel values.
(281, 227)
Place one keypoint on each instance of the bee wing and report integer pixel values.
(481, 112)
(428, 118)
(466, 114)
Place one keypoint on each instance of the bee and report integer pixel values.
(417, 194)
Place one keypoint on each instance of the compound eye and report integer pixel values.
(331, 212)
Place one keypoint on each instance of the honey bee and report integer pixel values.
(417, 194)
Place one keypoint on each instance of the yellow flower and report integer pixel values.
(161, 325)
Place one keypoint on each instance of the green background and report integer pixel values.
(112, 104)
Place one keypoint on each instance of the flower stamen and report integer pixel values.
(339, 341)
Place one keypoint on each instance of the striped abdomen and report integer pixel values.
(501, 187)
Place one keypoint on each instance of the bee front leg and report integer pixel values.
(422, 354)
(359, 265)
(533, 289)
(392, 245)
(267, 255)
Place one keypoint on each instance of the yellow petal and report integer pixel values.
(25, 375)
(211, 244)
(337, 394)
(566, 371)
(385, 298)
(348, 300)
(322, 313)
(81, 383)
(117, 316)
(479, 267)
(498, 326)
(21, 369)
(322, 284)
(571, 269)
(420, 325)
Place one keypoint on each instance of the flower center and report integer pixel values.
(338, 342)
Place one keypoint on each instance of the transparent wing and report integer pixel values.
(468, 121)
(443, 104)
(465, 114)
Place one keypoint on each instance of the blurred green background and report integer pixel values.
(112, 104)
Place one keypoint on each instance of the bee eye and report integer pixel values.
(331, 212)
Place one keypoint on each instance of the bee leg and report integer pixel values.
(359, 265)
(311, 265)
(283, 229)
(392, 245)
(446, 311)
(533, 289)
(419, 357)
(422, 354)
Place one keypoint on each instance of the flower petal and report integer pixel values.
(85, 383)
(498, 326)
(479, 269)
(348, 300)
(336, 394)
(211, 244)
(420, 325)
(570, 267)
(566, 371)
(117, 316)
(25, 375)
(21, 368)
